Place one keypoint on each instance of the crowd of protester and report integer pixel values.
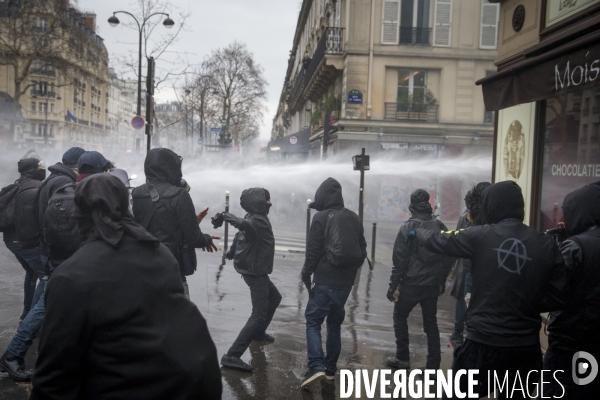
(105, 284)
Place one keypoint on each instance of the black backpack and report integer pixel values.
(424, 256)
(342, 239)
(61, 231)
(7, 206)
(26, 214)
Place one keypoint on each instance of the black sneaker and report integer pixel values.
(312, 376)
(235, 362)
(265, 338)
(398, 364)
(329, 375)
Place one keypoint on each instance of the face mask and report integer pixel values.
(40, 174)
(184, 185)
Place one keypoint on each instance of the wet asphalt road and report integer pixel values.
(224, 300)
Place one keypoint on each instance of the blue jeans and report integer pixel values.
(30, 261)
(327, 302)
(460, 312)
(43, 278)
(28, 330)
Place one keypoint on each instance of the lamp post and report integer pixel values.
(114, 21)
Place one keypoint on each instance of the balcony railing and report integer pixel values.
(411, 112)
(297, 84)
(43, 93)
(330, 43)
(416, 36)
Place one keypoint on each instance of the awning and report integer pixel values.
(294, 143)
(569, 68)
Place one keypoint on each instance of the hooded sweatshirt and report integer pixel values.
(60, 175)
(328, 197)
(577, 327)
(176, 224)
(117, 323)
(517, 271)
(253, 247)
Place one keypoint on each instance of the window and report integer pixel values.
(414, 22)
(51, 107)
(489, 25)
(42, 107)
(442, 23)
(412, 90)
(33, 106)
(391, 18)
(32, 85)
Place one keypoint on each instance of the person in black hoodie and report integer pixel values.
(577, 327)
(131, 334)
(517, 273)
(253, 251)
(22, 241)
(418, 282)
(330, 285)
(461, 282)
(164, 207)
(61, 174)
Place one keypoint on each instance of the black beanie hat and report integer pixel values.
(28, 164)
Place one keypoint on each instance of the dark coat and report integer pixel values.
(328, 197)
(178, 223)
(118, 326)
(517, 271)
(60, 175)
(463, 265)
(577, 327)
(254, 245)
(407, 269)
(26, 217)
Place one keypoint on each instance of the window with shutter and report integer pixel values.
(391, 17)
(443, 20)
(489, 25)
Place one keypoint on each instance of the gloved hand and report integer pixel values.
(230, 254)
(410, 236)
(308, 283)
(217, 220)
(442, 289)
(391, 292)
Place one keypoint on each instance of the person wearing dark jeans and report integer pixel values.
(328, 284)
(460, 313)
(427, 297)
(29, 260)
(327, 302)
(265, 300)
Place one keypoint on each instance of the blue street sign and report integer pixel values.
(355, 96)
(215, 129)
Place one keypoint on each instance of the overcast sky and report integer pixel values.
(265, 26)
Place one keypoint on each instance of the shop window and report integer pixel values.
(571, 151)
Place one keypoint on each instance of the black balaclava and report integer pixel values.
(581, 209)
(503, 200)
(419, 203)
(29, 168)
(102, 204)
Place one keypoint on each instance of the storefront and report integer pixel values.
(291, 148)
(547, 94)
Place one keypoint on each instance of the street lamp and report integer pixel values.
(167, 23)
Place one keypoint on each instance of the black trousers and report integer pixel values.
(557, 359)
(265, 299)
(504, 361)
(427, 297)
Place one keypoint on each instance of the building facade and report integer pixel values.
(547, 93)
(398, 74)
(396, 77)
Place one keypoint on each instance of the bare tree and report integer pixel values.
(239, 89)
(156, 40)
(36, 36)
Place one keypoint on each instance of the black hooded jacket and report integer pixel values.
(517, 271)
(577, 327)
(26, 217)
(254, 245)
(328, 197)
(60, 175)
(178, 223)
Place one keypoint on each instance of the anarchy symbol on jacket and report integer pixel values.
(515, 248)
